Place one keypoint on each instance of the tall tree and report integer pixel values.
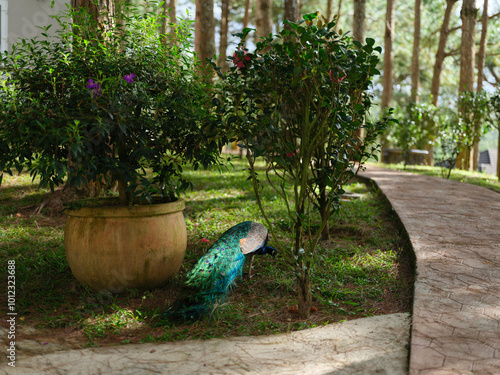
(224, 26)
(246, 17)
(263, 17)
(388, 55)
(291, 10)
(441, 52)
(467, 62)
(482, 47)
(467, 46)
(169, 19)
(173, 11)
(329, 11)
(339, 12)
(491, 68)
(358, 33)
(101, 11)
(92, 6)
(480, 72)
(359, 16)
(415, 62)
(204, 30)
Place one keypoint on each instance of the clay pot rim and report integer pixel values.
(113, 211)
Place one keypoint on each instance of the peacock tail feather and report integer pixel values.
(223, 262)
(216, 272)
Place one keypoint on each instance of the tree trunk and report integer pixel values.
(339, 12)
(491, 68)
(387, 88)
(325, 215)
(90, 5)
(304, 294)
(246, 17)
(263, 17)
(388, 55)
(467, 46)
(358, 33)
(204, 41)
(329, 7)
(120, 23)
(173, 12)
(291, 10)
(303, 266)
(480, 72)
(224, 27)
(170, 18)
(482, 47)
(415, 63)
(358, 20)
(101, 10)
(440, 54)
(467, 60)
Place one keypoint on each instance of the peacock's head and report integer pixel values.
(267, 250)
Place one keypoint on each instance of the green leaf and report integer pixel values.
(310, 16)
(368, 48)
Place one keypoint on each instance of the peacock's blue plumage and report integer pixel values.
(216, 272)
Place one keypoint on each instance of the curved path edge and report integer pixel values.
(375, 345)
(454, 229)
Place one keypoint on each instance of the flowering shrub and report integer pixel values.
(129, 78)
(94, 88)
(239, 59)
(300, 103)
(105, 105)
(338, 75)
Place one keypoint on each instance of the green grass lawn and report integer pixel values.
(476, 178)
(365, 269)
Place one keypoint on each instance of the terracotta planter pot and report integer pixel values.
(118, 248)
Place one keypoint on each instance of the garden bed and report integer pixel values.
(364, 270)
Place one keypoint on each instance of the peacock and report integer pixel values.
(216, 272)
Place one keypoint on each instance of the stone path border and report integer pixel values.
(375, 345)
(455, 232)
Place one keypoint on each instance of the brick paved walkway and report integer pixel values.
(455, 232)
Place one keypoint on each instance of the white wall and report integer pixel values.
(4, 25)
(25, 16)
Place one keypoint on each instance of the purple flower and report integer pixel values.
(94, 88)
(129, 78)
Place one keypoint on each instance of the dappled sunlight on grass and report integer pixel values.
(364, 269)
(118, 321)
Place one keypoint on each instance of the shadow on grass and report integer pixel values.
(13, 198)
(51, 296)
(42, 272)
